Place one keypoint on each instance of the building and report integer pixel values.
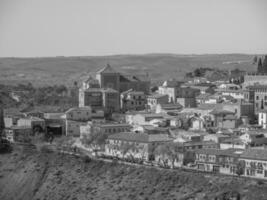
(73, 127)
(235, 93)
(255, 161)
(55, 123)
(252, 79)
(207, 160)
(257, 94)
(218, 138)
(18, 134)
(170, 108)
(91, 97)
(37, 124)
(133, 100)
(100, 98)
(79, 113)
(262, 119)
(91, 128)
(155, 99)
(143, 118)
(197, 123)
(217, 160)
(109, 78)
(254, 138)
(206, 98)
(233, 143)
(224, 119)
(193, 145)
(137, 145)
(169, 88)
(90, 83)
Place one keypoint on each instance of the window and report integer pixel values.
(257, 97)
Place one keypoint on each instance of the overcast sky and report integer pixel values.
(103, 27)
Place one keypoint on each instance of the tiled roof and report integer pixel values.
(171, 106)
(114, 125)
(226, 152)
(85, 108)
(221, 112)
(107, 69)
(203, 96)
(156, 95)
(140, 137)
(255, 154)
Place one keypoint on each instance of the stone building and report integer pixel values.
(257, 94)
(109, 78)
(133, 100)
(97, 98)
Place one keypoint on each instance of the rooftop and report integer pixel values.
(171, 106)
(140, 137)
(113, 125)
(156, 95)
(255, 154)
(85, 108)
(107, 69)
(225, 152)
(221, 112)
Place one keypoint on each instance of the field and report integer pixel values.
(66, 70)
(30, 174)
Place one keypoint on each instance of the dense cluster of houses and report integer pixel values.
(218, 127)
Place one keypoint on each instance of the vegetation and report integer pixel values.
(29, 97)
(240, 168)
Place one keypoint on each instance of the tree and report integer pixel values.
(167, 152)
(240, 167)
(2, 124)
(264, 64)
(260, 68)
(255, 59)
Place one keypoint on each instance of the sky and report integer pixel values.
(41, 28)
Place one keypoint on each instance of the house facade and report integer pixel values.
(132, 100)
(155, 99)
(136, 145)
(255, 163)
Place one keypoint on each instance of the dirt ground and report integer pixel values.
(30, 174)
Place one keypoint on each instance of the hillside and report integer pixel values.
(66, 70)
(28, 174)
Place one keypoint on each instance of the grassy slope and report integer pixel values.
(31, 175)
(65, 70)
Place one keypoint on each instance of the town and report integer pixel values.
(197, 124)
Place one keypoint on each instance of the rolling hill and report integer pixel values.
(66, 70)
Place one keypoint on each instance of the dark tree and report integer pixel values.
(255, 59)
(240, 168)
(260, 68)
(264, 64)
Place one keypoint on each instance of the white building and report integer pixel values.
(262, 119)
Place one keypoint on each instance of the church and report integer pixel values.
(109, 78)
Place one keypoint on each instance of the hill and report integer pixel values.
(28, 174)
(66, 70)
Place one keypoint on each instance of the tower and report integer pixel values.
(108, 78)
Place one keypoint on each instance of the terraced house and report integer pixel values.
(217, 160)
(135, 145)
(255, 163)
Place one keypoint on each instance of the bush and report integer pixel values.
(87, 159)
